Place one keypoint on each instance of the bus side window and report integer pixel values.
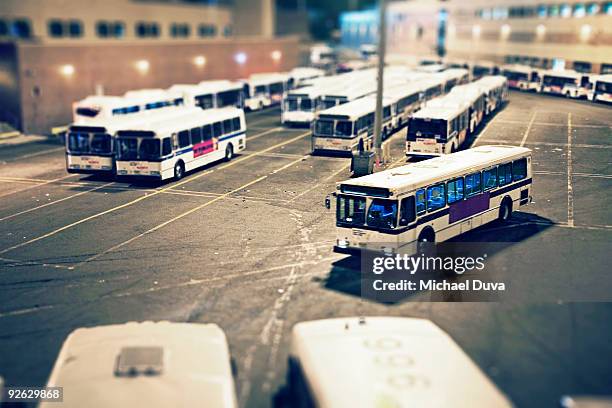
(454, 190)
(519, 169)
(196, 135)
(206, 133)
(236, 124)
(217, 129)
(505, 174)
(227, 126)
(436, 198)
(473, 184)
(489, 178)
(420, 201)
(166, 146)
(407, 211)
(183, 138)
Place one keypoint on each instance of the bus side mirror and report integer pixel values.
(328, 202)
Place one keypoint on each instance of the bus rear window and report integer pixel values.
(291, 105)
(305, 104)
(276, 88)
(205, 101)
(89, 112)
(426, 128)
(519, 169)
(351, 210)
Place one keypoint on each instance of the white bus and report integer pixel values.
(350, 126)
(568, 83)
(105, 106)
(495, 89)
(148, 364)
(433, 200)
(452, 77)
(439, 128)
(211, 94)
(300, 105)
(264, 90)
(384, 362)
(347, 93)
(475, 96)
(169, 148)
(522, 77)
(299, 75)
(90, 146)
(602, 89)
(480, 69)
(405, 99)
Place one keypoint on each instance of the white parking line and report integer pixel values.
(533, 116)
(37, 185)
(570, 187)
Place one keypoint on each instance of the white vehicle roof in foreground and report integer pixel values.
(441, 108)
(306, 72)
(416, 175)
(389, 362)
(604, 78)
(119, 122)
(195, 368)
(190, 118)
(491, 80)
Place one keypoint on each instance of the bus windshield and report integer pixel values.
(305, 104)
(291, 104)
(78, 142)
(276, 88)
(351, 210)
(344, 128)
(426, 128)
(604, 87)
(101, 143)
(382, 214)
(558, 81)
(324, 127)
(328, 103)
(229, 98)
(149, 149)
(127, 148)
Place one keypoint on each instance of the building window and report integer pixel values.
(227, 31)
(592, 9)
(180, 30)
(21, 28)
(56, 28)
(4, 29)
(553, 11)
(607, 8)
(147, 29)
(75, 28)
(542, 11)
(106, 29)
(566, 11)
(207, 30)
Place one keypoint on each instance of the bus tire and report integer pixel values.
(261, 105)
(179, 170)
(229, 152)
(426, 241)
(505, 209)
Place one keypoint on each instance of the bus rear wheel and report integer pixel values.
(229, 152)
(179, 170)
(426, 242)
(505, 210)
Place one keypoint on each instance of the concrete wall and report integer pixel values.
(254, 17)
(47, 94)
(10, 102)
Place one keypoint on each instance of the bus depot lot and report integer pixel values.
(247, 245)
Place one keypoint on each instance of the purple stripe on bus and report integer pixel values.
(466, 208)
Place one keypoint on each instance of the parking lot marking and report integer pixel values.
(517, 122)
(533, 116)
(36, 185)
(30, 155)
(184, 214)
(54, 202)
(146, 196)
(570, 187)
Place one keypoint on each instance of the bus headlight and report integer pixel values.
(343, 243)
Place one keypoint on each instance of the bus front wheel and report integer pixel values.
(229, 152)
(505, 210)
(179, 170)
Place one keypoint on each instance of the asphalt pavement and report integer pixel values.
(248, 245)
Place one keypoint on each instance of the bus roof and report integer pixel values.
(604, 78)
(525, 69)
(102, 100)
(417, 175)
(189, 118)
(382, 361)
(566, 73)
(193, 368)
(352, 110)
(444, 108)
(115, 123)
(206, 88)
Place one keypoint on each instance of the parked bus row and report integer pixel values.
(445, 123)
(161, 145)
(375, 361)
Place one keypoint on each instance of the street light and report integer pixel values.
(199, 61)
(67, 70)
(276, 55)
(240, 58)
(142, 66)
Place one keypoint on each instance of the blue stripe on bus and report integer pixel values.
(230, 136)
(437, 214)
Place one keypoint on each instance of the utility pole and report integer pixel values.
(382, 35)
